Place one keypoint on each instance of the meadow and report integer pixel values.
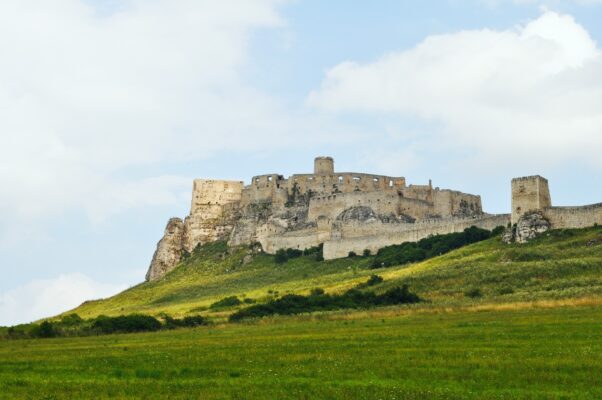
(530, 353)
(497, 321)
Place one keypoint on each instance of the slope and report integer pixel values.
(561, 265)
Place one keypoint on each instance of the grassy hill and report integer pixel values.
(563, 265)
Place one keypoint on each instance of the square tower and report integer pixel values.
(529, 193)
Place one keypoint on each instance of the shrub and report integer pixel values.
(367, 253)
(71, 320)
(45, 330)
(191, 321)
(318, 301)
(231, 301)
(281, 256)
(505, 290)
(374, 280)
(317, 250)
(352, 254)
(293, 253)
(249, 301)
(429, 247)
(126, 324)
(473, 293)
(317, 292)
(498, 231)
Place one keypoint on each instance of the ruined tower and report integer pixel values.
(529, 193)
(323, 166)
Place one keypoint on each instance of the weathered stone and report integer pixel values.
(169, 250)
(508, 235)
(359, 213)
(530, 226)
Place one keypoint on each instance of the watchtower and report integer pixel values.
(323, 166)
(530, 193)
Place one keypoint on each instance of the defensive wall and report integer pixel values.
(532, 194)
(359, 239)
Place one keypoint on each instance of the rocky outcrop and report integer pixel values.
(359, 213)
(528, 227)
(169, 250)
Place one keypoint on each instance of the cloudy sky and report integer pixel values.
(109, 108)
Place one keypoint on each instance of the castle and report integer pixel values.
(348, 212)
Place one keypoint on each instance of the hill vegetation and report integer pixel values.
(216, 281)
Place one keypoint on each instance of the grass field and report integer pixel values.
(533, 353)
(498, 322)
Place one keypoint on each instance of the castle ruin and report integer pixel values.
(349, 212)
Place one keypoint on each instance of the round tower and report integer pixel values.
(323, 166)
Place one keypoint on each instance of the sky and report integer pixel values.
(109, 109)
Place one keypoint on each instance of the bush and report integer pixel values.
(317, 250)
(497, 231)
(473, 293)
(505, 290)
(293, 253)
(281, 256)
(231, 301)
(126, 324)
(186, 322)
(352, 254)
(45, 330)
(71, 320)
(429, 247)
(374, 280)
(318, 301)
(317, 292)
(367, 253)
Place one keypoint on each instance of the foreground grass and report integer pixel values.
(530, 353)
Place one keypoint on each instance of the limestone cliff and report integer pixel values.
(169, 250)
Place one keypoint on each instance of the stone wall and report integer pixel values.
(574, 217)
(385, 236)
(332, 205)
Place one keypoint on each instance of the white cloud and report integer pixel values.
(530, 95)
(47, 297)
(88, 92)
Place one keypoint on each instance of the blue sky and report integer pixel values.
(108, 110)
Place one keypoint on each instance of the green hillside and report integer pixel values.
(561, 266)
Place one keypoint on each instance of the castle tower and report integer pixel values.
(323, 166)
(529, 193)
